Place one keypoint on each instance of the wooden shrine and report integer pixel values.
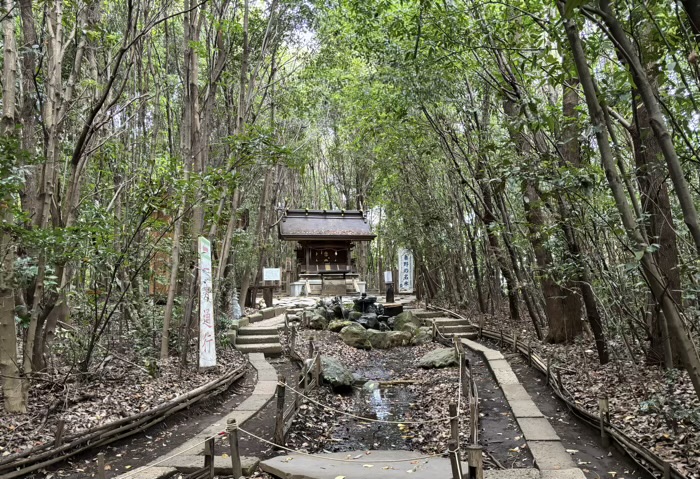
(325, 241)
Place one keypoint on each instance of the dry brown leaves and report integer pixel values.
(116, 391)
(645, 403)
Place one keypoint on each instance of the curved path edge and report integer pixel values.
(545, 445)
(192, 450)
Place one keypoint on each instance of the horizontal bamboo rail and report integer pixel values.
(38, 457)
(628, 444)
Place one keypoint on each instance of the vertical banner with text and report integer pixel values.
(405, 271)
(207, 343)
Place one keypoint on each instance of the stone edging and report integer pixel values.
(545, 445)
(194, 448)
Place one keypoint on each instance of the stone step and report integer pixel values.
(469, 335)
(423, 314)
(445, 321)
(268, 349)
(253, 339)
(460, 328)
(258, 331)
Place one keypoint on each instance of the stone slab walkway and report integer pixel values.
(545, 445)
(369, 466)
(166, 465)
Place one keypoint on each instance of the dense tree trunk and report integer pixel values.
(13, 390)
(656, 120)
(562, 307)
(655, 279)
(570, 152)
(657, 207)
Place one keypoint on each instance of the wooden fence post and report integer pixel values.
(209, 457)
(232, 429)
(559, 383)
(312, 347)
(476, 464)
(501, 343)
(454, 422)
(604, 413)
(515, 341)
(101, 466)
(481, 327)
(293, 339)
(299, 387)
(58, 438)
(466, 377)
(317, 370)
(454, 459)
(474, 415)
(279, 422)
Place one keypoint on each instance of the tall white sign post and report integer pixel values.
(207, 340)
(405, 271)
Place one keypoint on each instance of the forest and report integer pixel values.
(539, 159)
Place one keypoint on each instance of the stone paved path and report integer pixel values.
(191, 451)
(322, 466)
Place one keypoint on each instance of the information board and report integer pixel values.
(271, 274)
(388, 277)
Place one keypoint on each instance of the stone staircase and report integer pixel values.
(450, 327)
(259, 339)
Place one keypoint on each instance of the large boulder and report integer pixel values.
(405, 318)
(354, 315)
(409, 328)
(337, 324)
(424, 335)
(388, 339)
(377, 339)
(439, 358)
(318, 321)
(356, 336)
(337, 375)
(369, 321)
(337, 311)
(398, 338)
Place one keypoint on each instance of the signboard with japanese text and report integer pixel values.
(207, 339)
(272, 274)
(405, 282)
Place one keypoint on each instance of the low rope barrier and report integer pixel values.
(335, 458)
(156, 464)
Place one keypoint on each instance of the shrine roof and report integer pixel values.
(300, 225)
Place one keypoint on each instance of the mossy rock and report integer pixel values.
(337, 324)
(407, 317)
(424, 335)
(439, 358)
(356, 336)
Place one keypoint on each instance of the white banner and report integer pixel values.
(387, 277)
(207, 341)
(405, 271)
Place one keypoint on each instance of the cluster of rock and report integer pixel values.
(340, 378)
(368, 329)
